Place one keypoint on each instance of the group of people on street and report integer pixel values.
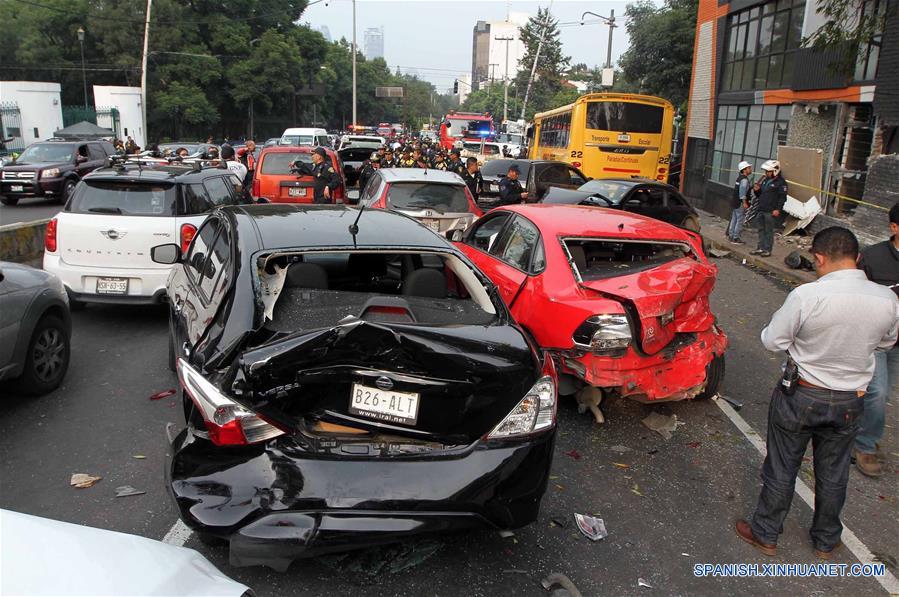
(762, 200)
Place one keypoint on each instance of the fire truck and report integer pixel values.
(466, 126)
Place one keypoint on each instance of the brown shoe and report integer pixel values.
(868, 464)
(744, 532)
(826, 555)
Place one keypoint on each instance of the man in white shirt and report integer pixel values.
(831, 328)
(232, 164)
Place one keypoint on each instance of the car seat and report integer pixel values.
(306, 275)
(426, 282)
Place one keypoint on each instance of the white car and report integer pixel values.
(305, 136)
(363, 141)
(482, 151)
(99, 245)
(39, 556)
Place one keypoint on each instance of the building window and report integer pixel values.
(555, 130)
(750, 133)
(36, 134)
(869, 53)
(761, 44)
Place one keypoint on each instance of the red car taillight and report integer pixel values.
(50, 237)
(228, 423)
(188, 231)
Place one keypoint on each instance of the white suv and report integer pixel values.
(99, 245)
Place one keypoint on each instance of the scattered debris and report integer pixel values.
(83, 481)
(620, 449)
(127, 490)
(685, 554)
(744, 261)
(636, 489)
(560, 521)
(138, 456)
(593, 528)
(506, 534)
(694, 444)
(642, 583)
(736, 404)
(885, 558)
(662, 424)
(653, 451)
(796, 260)
(718, 253)
(162, 394)
(622, 465)
(567, 587)
(574, 454)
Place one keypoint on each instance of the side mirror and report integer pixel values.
(167, 254)
(454, 236)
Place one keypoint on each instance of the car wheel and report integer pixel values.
(8, 200)
(714, 375)
(47, 358)
(691, 223)
(67, 191)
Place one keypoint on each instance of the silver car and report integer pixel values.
(438, 199)
(35, 329)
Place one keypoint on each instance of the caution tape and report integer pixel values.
(820, 191)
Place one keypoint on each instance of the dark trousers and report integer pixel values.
(766, 231)
(829, 420)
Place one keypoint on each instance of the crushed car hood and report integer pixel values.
(468, 377)
(666, 300)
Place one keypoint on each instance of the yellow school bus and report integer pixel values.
(608, 135)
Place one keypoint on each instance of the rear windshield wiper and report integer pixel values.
(104, 210)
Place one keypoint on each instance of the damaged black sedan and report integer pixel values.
(349, 378)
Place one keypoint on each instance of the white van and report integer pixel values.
(305, 136)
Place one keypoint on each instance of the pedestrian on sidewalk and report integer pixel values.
(830, 330)
(740, 203)
(771, 194)
(880, 263)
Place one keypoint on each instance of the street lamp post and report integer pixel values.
(610, 21)
(83, 71)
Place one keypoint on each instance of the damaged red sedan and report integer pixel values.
(620, 300)
(349, 378)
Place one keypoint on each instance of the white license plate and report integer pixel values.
(432, 224)
(296, 192)
(112, 285)
(624, 138)
(494, 188)
(384, 405)
(16, 188)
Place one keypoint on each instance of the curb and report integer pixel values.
(760, 262)
(23, 242)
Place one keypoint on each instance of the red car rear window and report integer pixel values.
(279, 163)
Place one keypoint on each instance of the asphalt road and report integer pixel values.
(28, 210)
(668, 505)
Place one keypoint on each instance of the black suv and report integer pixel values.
(536, 176)
(51, 169)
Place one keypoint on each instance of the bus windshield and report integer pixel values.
(624, 117)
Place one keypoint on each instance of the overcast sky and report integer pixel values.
(435, 36)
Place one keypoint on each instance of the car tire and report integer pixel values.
(692, 224)
(714, 375)
(47, 358)
(67, 190)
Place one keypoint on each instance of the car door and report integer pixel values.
(678, 210)
(647, 201)
(207, 268)
(14, 299)
(83, 164)
(552, 175)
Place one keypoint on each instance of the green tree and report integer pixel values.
(551, 64)
(851, 29)
(659, 59)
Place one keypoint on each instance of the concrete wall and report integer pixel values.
(23, 243)
(127, 101)
(40, 107)
(815, 131)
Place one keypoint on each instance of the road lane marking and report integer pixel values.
(889, 582)
(178, 534)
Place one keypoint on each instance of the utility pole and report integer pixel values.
(506, 77)
(354, 63)
(83, 72)
(143, 75)
(610, 21)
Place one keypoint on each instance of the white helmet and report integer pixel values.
(772, 166)
(743, 165)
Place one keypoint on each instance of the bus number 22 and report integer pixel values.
(577, 154)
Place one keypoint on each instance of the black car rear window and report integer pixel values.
(501, 167)
(427, 195)
(124, 198)
(279, 163)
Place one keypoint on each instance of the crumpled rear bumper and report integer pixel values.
(678, 372)
(276, 503)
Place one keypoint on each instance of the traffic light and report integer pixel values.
(456, 87)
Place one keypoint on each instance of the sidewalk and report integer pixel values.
(714, 229)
